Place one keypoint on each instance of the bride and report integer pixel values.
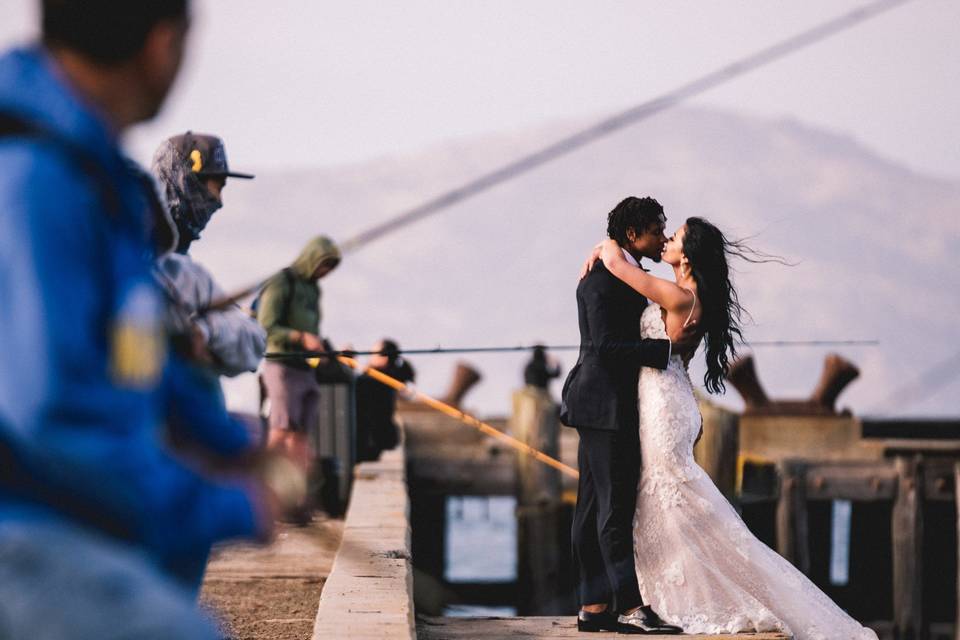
(697, 563)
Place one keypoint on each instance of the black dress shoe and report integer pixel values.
(603, 621)
(645, 620)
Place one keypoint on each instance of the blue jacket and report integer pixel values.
(85, 377)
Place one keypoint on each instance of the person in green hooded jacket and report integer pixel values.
(289, 311)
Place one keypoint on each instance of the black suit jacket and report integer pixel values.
(601, 390)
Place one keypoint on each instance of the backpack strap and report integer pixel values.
(15, 126)
(11, 125)
(288, 278)
(288, 303)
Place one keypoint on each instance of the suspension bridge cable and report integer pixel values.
(621, 120)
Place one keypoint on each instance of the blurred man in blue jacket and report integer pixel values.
(93, 512)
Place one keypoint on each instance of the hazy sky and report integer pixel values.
(295, 83)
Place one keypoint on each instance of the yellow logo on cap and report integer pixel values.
(197, 161)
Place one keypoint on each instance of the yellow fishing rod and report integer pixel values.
(454, 413)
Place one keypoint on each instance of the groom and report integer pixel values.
(600, 401)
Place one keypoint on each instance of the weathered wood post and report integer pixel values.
(428, 513)
(718, 447)
(542, 556)
(536, 422)
(464, 377)
(792, 531)
(908, 618)
(333, 439)
(956, 499)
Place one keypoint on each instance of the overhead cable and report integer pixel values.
(294, 355)
(619, 121)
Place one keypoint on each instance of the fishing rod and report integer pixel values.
(453, 412)
(620, 121)
(563, 347)
(233, 298)
(599, 130)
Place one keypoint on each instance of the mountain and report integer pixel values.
(874, 245)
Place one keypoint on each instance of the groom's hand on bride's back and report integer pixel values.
(684, 340)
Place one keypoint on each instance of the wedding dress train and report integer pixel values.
(698, 565)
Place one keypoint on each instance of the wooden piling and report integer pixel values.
(428, 515)
(792, 531)
(333, 440)
(542, 518)
(956, 498)
(908, 618)
(536, 422)
(718, 447)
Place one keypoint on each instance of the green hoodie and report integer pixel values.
(289, 303)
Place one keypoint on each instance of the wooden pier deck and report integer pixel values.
(538, 627)
(264, 593)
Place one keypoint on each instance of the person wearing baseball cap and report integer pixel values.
(193, 169)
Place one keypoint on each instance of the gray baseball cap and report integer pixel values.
(205, 155)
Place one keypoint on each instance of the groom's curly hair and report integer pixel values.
(634, 213)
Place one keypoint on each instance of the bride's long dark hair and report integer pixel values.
(708, 252)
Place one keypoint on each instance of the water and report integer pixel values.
(478, 611)
(481, 539)
(840, 542)
(481, 546)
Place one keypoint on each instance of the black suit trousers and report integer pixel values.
(602, 532)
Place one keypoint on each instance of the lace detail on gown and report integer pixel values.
(697, 562)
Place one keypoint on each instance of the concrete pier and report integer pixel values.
(369, 593)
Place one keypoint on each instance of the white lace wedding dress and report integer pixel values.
(698, 565)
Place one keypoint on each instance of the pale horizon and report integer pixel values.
(324, 84)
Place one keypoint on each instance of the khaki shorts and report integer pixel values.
(294, 397)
